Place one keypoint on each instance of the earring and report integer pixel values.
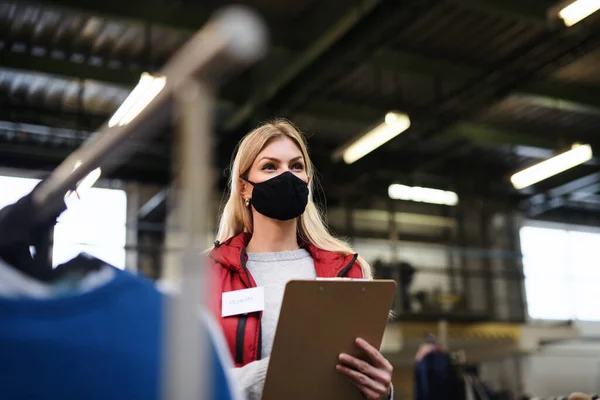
(247, 202)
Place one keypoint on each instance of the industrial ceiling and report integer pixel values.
(491, 86)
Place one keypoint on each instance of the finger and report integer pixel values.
(376, 357)
(368, 393)
(364, 367)
(361, 379)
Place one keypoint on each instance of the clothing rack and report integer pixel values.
(232, 40)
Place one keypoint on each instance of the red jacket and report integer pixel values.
(243, 332)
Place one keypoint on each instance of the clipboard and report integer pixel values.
(320, 319)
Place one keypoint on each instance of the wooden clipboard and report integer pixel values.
(320, 319)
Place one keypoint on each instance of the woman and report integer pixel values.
(271, 232)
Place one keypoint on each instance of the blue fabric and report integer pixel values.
(104, 344)
(435, 378)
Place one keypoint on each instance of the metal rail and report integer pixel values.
(232, 40)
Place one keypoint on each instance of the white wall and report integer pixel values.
(562, 370)
(554, 370)
(567, 367)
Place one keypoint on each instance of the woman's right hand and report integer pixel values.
(372, 377)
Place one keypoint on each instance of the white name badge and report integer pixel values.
(243, 301)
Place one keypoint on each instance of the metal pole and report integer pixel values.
(232, 40)
(187, 359)
(443, 333)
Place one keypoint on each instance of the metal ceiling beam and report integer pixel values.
(58, 118)
(560, 196)
(37, 136)
(487, 135)
(548, 152)
(577, 98)
(52, 118)
(391, 18)
(518, 69)
(156, 203)
(26, 156)
(534, 11)
(166, 14)
(559, 202)
(568, 188)
(586, 197)
(64, 67)
(545, 93)
(481, 134)
(269, 89)
(587, 192)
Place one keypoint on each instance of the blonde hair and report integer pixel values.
(237, 218)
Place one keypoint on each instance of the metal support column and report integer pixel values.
(486, 262)
(394, 239)
(349, 220)
(188, 375)
(516, 266)
(449, 235)
(462, 242)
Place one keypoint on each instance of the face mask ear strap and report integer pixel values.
(246, 180)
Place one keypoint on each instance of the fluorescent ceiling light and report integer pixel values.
(578, 10)
(422, 195)
(578, 154)
(146, 90)
(395, 123)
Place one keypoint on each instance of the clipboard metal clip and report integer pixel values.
(343, 279)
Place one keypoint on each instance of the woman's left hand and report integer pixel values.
(373, 377)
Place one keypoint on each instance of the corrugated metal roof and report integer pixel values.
(386, 88)
(333, 131)
(455, 32)
(407, 71)
(84, 38)
(60, 93)
(519, 112)
(584, 71)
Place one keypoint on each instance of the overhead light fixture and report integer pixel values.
(578, 10)
(394, 124)
(146, 90)
(422, 195)
(578, 154)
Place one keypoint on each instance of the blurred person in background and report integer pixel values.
(579, 396)
(271, 232)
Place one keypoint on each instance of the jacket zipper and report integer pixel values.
(347, 267)
(240, 333)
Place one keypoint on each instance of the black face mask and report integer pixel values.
(283, 197)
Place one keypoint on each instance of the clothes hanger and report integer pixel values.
(24, 240)
(21, 231)
(18, 234)
(77, 267)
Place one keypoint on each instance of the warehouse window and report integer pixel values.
(561, 274)
(95, 224)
